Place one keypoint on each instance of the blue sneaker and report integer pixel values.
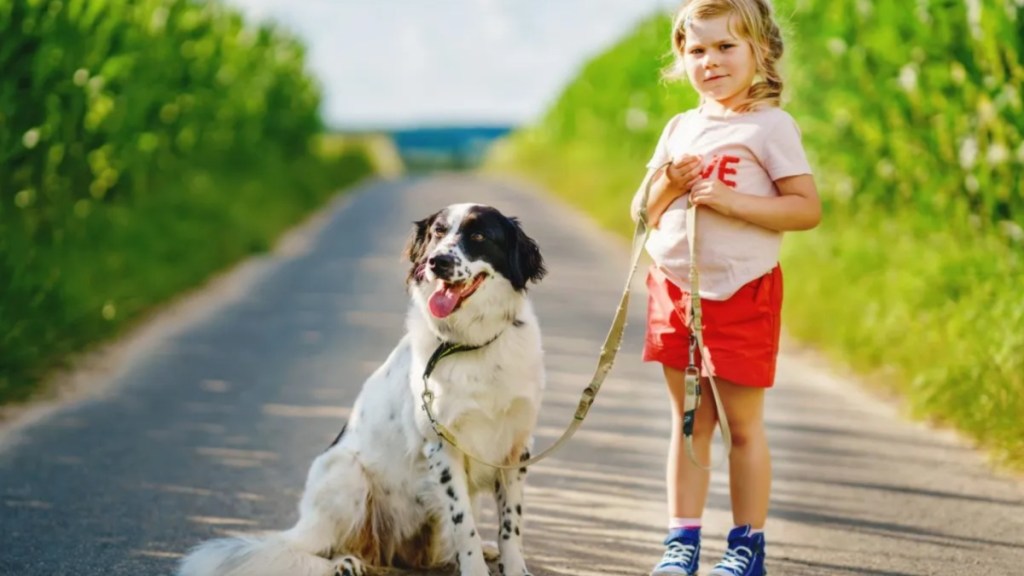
(682, 553)
(745, 555)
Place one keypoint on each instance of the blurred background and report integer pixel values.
(445, 79)
(145, 145)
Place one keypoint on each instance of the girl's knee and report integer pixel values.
(744, 408)
(746, 433)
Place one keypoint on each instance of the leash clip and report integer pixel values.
(427, 397)
(692, 398)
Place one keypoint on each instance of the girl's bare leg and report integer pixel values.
(687, 485)
(750, 466)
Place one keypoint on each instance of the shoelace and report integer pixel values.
(679, 552)
(736, 561)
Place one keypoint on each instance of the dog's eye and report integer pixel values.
(476, 237)
(439, 232)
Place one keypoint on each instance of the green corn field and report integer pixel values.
(144, 144)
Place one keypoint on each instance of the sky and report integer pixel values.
(392, 63)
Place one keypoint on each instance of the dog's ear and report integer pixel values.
(525, 262)
(416, 247)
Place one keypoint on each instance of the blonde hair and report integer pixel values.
(755, 22)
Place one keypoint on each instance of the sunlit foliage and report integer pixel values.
(143, 145)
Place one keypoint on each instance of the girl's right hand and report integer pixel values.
(683, 172)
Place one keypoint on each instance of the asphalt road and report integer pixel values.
(205, 421)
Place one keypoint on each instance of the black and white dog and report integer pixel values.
(389, 492)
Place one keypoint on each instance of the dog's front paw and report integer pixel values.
(349, 566)
(490, 548)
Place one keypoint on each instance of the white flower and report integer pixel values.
(636, 119)
(1011, 228)
(30, 138)
(997, 154)
(837, 46)
(908, 78)
(974, 16)
(968, 153)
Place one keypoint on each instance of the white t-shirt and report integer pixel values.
(747, 152)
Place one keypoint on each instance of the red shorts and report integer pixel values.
(741, 334)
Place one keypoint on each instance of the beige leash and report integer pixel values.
(609, 349)
(692, 399)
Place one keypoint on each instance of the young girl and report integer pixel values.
(739, 159)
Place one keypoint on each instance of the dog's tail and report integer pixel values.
(328, 525)
(277, 554)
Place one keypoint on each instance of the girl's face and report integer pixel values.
(721, 67)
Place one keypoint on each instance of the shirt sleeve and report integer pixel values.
(661, 153)
(784, 153)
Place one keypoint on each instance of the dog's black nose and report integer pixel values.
(441, 265)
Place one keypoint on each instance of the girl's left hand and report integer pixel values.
(711, 192)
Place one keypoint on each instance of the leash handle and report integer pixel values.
(609, 349)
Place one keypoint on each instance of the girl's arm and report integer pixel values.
(797, 207)
(670, 182)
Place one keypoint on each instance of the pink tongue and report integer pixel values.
(443, 301)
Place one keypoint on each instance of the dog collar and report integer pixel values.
(447, 349)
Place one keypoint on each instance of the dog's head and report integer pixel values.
(470, 252)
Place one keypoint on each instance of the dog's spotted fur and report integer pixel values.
(388, 491)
